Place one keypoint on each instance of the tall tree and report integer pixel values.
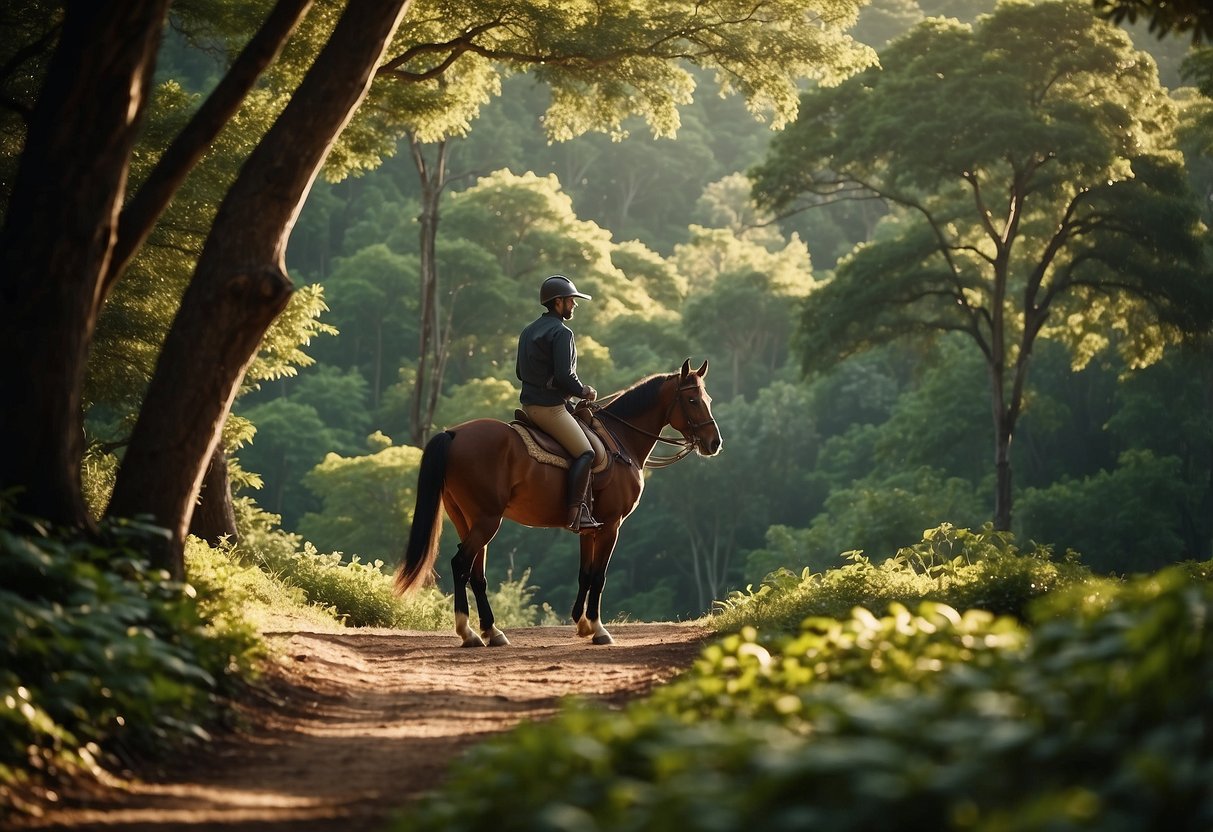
(1030, 159)
(63, 227)
(604, 64)
(64, 238)
(240, 284)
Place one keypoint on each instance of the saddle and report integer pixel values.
(543, 448)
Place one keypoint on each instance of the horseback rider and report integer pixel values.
(547, 367)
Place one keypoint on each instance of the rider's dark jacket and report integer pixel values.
(547, 362)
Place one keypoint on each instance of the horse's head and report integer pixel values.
(691, 413)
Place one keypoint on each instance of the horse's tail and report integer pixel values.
(422, 549)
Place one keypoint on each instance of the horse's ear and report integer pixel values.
(702, 371)
(686, 368)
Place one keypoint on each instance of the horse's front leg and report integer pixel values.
(461, 568)
(584, 628)
(593, 579)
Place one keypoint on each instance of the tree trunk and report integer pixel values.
(1002, 477)
(214, 517)
(240, 284)
(179, 158)
(433, 180)
(57, 241)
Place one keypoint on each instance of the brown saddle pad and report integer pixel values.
(543, 448)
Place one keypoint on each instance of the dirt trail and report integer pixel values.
(356, 723)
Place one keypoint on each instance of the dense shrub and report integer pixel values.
(361, 594)
(960, 567)
(1094, 715)
(1124, 520)
(102, 654)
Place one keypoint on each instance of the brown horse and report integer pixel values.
(483, 474)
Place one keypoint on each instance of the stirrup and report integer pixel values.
(581, 521)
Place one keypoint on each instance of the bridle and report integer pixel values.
(687, 443)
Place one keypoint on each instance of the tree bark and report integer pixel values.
(57, 241)
(240, 284)
(215, 517)
(425, 395)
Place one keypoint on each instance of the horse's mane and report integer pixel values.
(639, 398)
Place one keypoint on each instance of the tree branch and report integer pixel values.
(195, 139)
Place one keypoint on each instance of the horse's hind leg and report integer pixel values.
(461, 568)
(480, 587)
(468, 567)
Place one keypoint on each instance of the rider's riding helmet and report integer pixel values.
(558, 286)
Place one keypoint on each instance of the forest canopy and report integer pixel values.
(1003, 221)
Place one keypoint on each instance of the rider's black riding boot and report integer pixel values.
(580, 519)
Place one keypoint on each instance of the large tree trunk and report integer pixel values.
(57, 241)
(240, 284)
(214, 518)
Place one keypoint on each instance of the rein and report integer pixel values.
(687, 445)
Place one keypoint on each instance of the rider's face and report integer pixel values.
(565, 307)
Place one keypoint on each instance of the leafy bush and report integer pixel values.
(102, 653)
(959, 567)
(1095, 715)
(513, 604)
(254, 597)
(1124, 520)
(877, 513)
(359, 593)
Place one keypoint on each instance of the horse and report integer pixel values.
(481, 473)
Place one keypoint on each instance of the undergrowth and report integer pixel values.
(360, 594)
(106, 661)
(963, 568)
(104, 658)
(1092, 711)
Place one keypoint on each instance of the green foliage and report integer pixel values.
(873, 514)
(368, 501)
(101, 653)
(514, 605)
(1165, 16)
(247, 596)
(359, 593)
(1123, 520)
(1094, 717)
(955, 566)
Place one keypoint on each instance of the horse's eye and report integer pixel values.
(692, 400)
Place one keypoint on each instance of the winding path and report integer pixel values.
(354, 724)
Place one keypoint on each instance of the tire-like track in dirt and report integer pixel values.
(352, 725)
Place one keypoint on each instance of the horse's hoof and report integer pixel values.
(498, 639)
(584, 628)
(473, 640)
(603, 638)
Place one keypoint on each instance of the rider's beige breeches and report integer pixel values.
(558, 422)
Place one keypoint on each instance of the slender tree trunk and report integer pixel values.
(215, 518)
(433, 180)
(377, 365)
(1002, 476)
(240, 284)
(57, 241)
